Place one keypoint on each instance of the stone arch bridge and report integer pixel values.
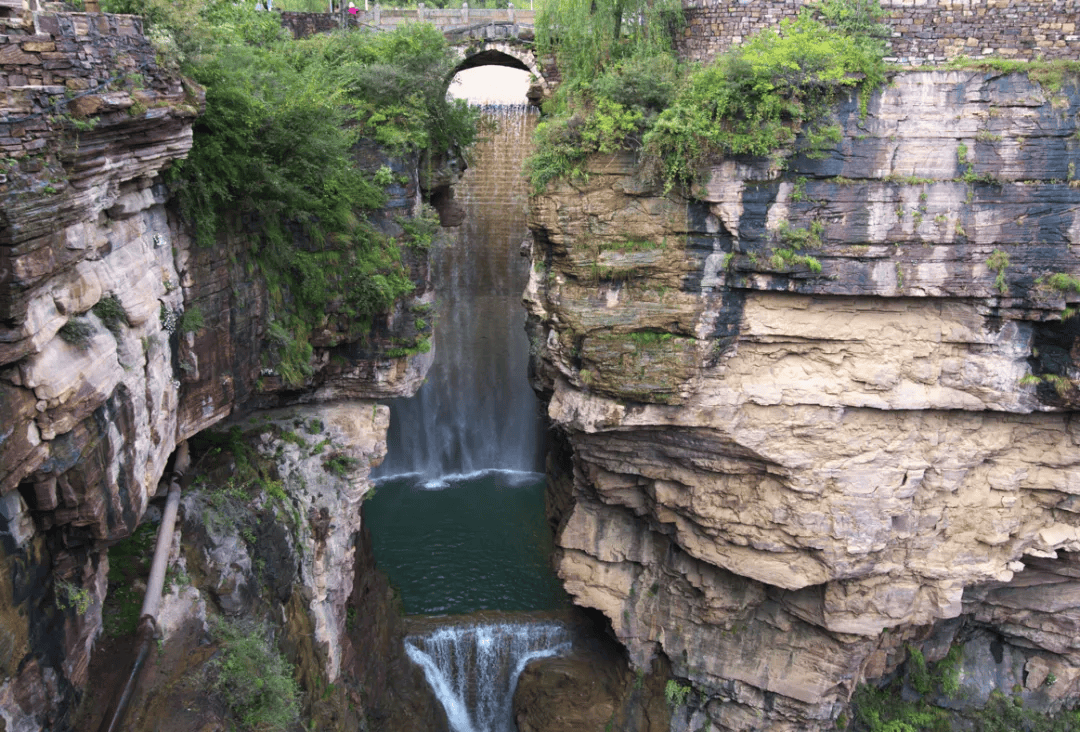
(502, 37)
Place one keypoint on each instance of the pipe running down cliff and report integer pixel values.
(148, 629)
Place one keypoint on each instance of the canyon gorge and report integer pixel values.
(809, 421)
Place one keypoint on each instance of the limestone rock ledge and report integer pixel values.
(773, 466)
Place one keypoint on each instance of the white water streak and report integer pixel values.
(477, 411)
(474, 669)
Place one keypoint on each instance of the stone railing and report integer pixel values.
(923, 31)
(448, 20)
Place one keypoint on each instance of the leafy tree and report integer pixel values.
(275, 150)
(587, 37)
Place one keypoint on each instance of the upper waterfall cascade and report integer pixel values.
(477, 412)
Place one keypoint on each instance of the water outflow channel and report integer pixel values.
(457, 522)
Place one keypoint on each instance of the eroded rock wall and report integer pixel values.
(101, 374)
(781, 474)
(89, 412)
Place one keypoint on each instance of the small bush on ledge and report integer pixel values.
(77, 332)
(254, 679)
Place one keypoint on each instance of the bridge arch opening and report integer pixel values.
(497, 73)
(492, 57)
(491, 85)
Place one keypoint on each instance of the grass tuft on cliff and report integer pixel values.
(753, 100)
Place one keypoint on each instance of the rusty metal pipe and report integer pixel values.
(152, 599)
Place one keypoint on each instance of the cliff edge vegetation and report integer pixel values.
(625, 89)
(275, 154)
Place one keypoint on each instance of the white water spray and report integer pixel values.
(474, 669)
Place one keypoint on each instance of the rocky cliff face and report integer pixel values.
(104, 369)
(825, 405)
(88, 398)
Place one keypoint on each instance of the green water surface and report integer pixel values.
(466, 543)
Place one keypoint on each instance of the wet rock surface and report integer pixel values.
(591, 689)
(396, 695)
(778, 472)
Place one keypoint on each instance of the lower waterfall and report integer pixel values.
(473, 669)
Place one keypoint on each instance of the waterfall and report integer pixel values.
(477, 411)
(474, 669)
(458, 521)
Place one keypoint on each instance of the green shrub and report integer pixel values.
(340, 465)
(883, 710)
(999, 262)
(254, 680)
(948, 670)
(1063, 282)
(757, 97)
(917, 671)
(72, 597)
(646, 84)
(675, 693)
(77, 332)
(192, 320)
(648, 337)
(111, 312)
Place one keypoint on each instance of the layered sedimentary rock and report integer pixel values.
(825, 398)
(104, 368)
(89, 411)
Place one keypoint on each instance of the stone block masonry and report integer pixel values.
(923, 31)
(56, 66)
(70, 49)
(454, 21)
(63, 75)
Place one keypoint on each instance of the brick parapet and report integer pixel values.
(923, 31)
(458, 21)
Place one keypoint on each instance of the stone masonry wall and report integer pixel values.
(53, 48)
(924, 31)
(445, 19)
